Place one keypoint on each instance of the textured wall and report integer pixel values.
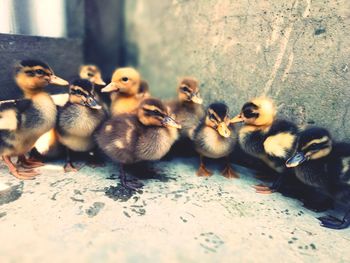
(297, 52)
(63, 55)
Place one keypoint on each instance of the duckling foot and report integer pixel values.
(229, 173)
(24, 175)
(27, 163)
(263, 189)
(69, 167)
(133, 185)
(202, 171)
(334, 223)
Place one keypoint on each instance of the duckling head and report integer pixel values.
(92, 73)
(152, 112)
(188, 91)
(258, 112)
(314, 143)
(34, 75)
(218, 119)
(125, 81)
(81, 92)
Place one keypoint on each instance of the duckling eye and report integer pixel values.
(90, 74)
(40, 72)
(125, 79)
(185, 89)
(30, 73)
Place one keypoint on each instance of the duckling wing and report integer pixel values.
(340, 161)
(281, 139)
(118, 136)
(11, 113)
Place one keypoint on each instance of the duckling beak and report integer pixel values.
(196, 99)
(92, 103)
(110, 87)
(223, 130)
(170, 122)
(58, 81)
(237, 119)
(296, 160)
(98, 81)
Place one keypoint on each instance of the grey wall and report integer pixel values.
(63, 55)
(297, 52)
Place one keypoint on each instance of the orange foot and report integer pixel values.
(24, 174)
(69, 167)
(202, 171)
(28, 163)
(263, 189)
(229, 173)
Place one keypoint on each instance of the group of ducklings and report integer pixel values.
(130, 126)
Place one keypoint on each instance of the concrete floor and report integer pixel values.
(177, 218)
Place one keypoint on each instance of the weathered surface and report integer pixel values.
(297, 52)
(177, 218)
(63, 55)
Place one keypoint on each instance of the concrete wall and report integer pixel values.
(297, 52)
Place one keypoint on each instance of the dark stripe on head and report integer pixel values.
(84, 84)
(220, 109)
(33, 63)
(248, 109)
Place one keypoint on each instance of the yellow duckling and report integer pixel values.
(265, 137)
(20, 128)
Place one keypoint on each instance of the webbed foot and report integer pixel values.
(202, 171)
(333, 222)
(229, 173)
(69, 167)
(263, 189)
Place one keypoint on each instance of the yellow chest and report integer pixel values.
(122, 105)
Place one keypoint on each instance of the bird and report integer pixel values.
(22, 126)
(266, 137)
(78, 119)
(214, 138)
(324, 164)
(124, 89)
(144, 136)
(187, 108)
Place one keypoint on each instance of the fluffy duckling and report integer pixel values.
(213, 138)
(146, 135)
(21, 128)
(325, 165)
(124, 90)
(78, 119)
(265, 137)
(187, 108)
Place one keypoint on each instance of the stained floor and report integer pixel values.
(177, 217)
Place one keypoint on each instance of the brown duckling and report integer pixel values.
(124, 88)
(144, 136)
(187, 108)
(78, 119)
(214, 138)
(265, 137)
(31, 76)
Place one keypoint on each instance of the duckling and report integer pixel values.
(265, 137)
(124, 88)
(47, 146)
(214, 138)
(78, 119)
(144, 136)
(23, 127)
(187, 108)
(323, 164)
